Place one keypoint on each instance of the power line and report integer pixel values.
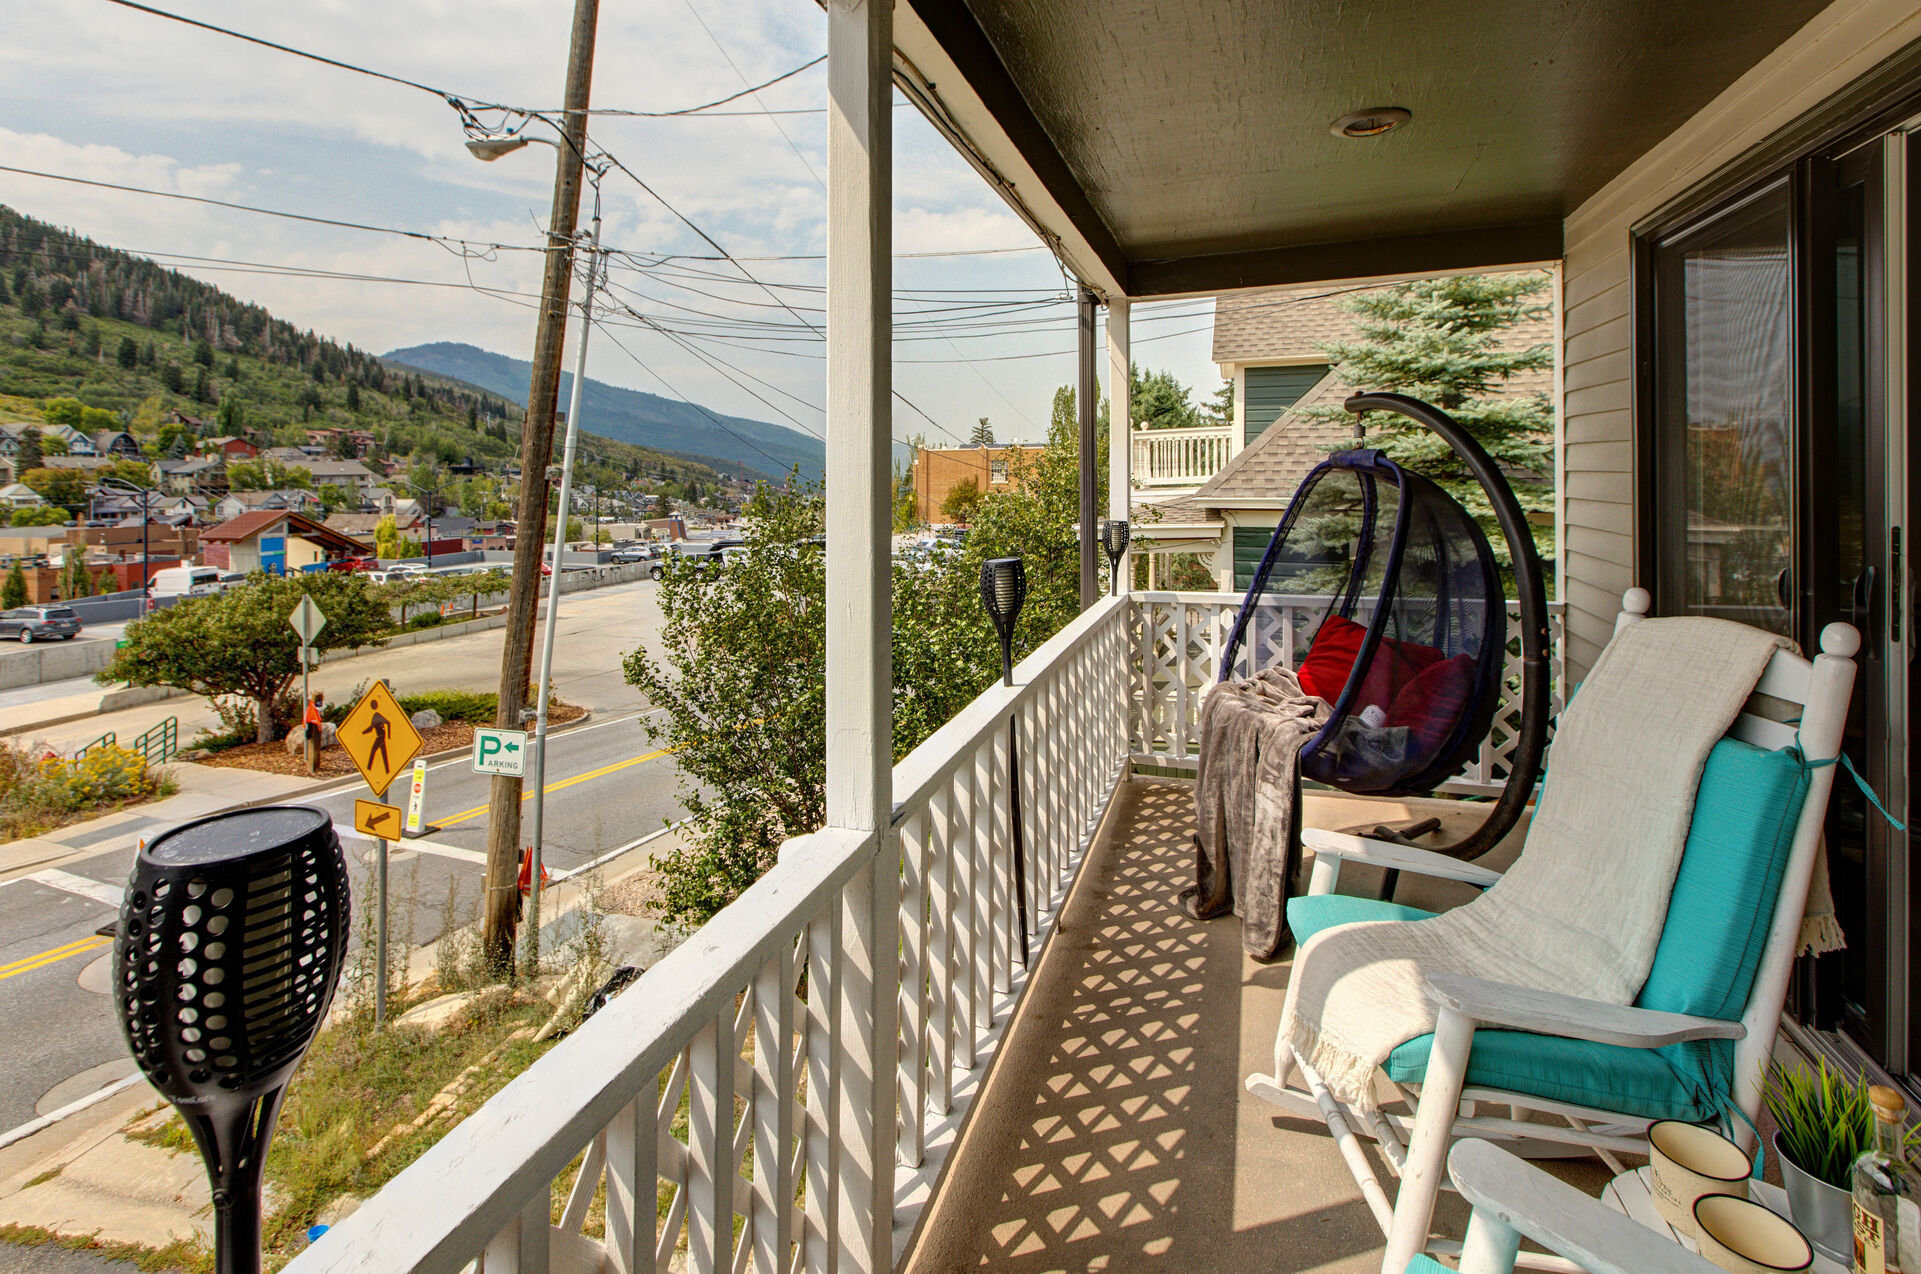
(457, 100)
(445, 241)
(743, 79)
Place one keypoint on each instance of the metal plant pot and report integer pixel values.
(1823, 1212)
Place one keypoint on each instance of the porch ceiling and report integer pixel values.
(1176, 148)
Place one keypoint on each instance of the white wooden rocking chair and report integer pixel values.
(1514, 1200)
(1447, 1095)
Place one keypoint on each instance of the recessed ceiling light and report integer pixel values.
(1371, 122)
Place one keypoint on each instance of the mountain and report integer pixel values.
(141, 347)
(630, 415)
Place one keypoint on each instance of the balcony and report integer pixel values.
(789, 1089)
(1177, 459)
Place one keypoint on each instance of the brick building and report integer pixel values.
(938, 470)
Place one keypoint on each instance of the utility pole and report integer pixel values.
(498, 919)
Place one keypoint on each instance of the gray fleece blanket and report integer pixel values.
(1247, 817)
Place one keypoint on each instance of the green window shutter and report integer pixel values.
(1250, 544)
(1272, 390)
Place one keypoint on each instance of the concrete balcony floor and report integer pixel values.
(1114, 1132)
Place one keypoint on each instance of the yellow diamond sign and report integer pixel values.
(379, 738)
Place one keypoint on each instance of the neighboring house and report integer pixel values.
(195, 473)
(1269, 344)
(350, 474)
(235, 503)
(363, 525)
(16, 495)
(116, 443)
(229, 446)
(276, 542)
(84, 463)
(11, 432)
(938, 470)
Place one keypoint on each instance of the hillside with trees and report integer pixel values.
(136, 343)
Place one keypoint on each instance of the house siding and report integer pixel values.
(1250, 545)
(1269, 391)
(1841, 44)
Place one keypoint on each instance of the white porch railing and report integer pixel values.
(724, 1097)
(1178, 639)
(1180, 457)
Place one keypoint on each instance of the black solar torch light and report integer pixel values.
(1003, 591)
(1114, 537)
(230, 941)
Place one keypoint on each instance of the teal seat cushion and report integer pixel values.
(1724, 894)
(1308, 915)
(1425, 1264)
(1652, 1083)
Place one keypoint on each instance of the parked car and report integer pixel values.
(350, 564)
(706, 554)
(183, 581)
(636, 553)
(29, 624)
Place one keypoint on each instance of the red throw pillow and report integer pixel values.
(1330, 657)
(1431, 704)
(1330, 660)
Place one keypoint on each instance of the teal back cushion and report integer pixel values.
(1730, 878)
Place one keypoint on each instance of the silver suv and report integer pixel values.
(29, 624)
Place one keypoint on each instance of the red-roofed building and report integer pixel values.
(275, 541)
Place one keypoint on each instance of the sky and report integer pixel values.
(95, 90)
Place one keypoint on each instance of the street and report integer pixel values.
(607, 787)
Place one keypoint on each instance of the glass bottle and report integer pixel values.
(1887, 1194)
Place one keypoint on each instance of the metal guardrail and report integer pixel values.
(156, 744)
(159, 743)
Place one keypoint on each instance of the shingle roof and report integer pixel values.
(1275, 462)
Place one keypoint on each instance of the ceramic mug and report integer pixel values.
(1743, 1237)
(1690, 1161)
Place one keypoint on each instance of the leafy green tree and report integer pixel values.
(742, 681)
(962, 499)
(238, 643)
(41, 515)
(64, 487)
(386, 539)
(982, 434)
(1441, 340)
(55, 444)
(1160, 402)
(32, 452)
(906, 501)
(134, 472)
(14, 592)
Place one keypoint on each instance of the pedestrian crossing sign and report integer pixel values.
(379, 738)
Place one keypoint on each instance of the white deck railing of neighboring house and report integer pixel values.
(1178, 642)
(1180, 457)
(726, 1101)
(739, 1155)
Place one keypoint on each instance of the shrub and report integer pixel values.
(454, 705)
(431, 619)
(41, 793)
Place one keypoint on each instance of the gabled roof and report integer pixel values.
(1270, 467)
(251, 524)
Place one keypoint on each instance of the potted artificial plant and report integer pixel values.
(1823, 1124)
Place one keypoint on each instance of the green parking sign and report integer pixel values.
(500, 752)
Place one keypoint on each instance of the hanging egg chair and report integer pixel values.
(1408, 614)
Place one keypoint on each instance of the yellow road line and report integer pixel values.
(604, 770)
(92, 942)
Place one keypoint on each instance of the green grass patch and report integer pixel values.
(179, 1255)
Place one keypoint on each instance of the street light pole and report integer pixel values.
(536, 805)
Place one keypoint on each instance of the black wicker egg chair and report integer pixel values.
(1410, 645)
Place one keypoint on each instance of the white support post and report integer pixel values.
(1120, 415)
(860, 58)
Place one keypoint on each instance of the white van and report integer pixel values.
(183, 581)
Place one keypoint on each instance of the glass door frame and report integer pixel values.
(1891, 274)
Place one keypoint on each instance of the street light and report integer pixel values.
(1003, 591)
(145, 495)
(489, 149)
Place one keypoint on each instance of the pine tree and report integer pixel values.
(1440, 340)
(983, 434)
(32, 455)
(353, 396)
(14, 592)
(128, 355)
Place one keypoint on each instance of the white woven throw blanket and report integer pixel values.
(1581, 910)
